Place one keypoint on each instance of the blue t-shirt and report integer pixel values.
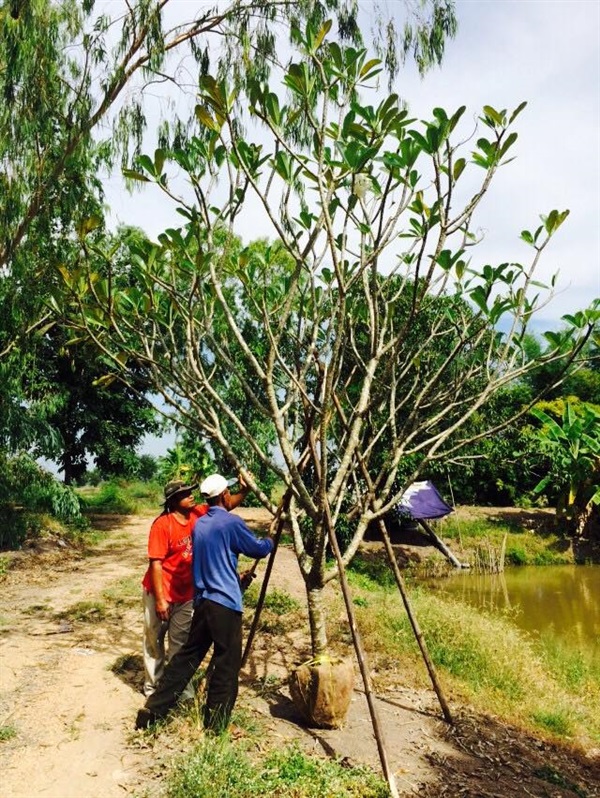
(217, 540)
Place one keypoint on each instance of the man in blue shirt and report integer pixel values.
(217, 540)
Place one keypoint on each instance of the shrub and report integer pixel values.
(111, 498)
(27, 489)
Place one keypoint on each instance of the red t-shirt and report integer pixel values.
(171, 542)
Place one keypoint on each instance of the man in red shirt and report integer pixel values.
(168, 584)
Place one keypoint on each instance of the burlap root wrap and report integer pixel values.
(321, 691)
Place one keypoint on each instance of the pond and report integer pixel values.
(561, 600)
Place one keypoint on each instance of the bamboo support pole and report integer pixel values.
(279, 519)
(361, 656)
(401, 587)
(414, 623)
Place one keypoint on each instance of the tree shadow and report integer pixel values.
(495, 759)
(520, 521)
(586, 551)
(106, 522)
(129, 668)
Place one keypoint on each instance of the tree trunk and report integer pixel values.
(68, 470)
(316, 619)
(586, 522)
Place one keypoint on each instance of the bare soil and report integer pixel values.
(70, 678)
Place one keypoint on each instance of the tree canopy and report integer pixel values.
(375, 340)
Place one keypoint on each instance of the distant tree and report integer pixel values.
(91, 417)
(147, 468)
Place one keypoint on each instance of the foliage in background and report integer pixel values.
(26, 491)
(572, 450)
(505, 468)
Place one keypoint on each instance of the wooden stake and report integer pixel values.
(279, 519)
(440, 545)
(414, 623)
(400, 582)
(361, 656)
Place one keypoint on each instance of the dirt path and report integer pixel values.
(71, 715)
(66, 621)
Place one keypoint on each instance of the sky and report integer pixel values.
(546, 52)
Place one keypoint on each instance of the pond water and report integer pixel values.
(562, 600)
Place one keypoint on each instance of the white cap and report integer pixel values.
(213, 486)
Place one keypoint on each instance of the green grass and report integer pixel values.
(85, 611)
(7, 732)
(217, 768)
(125, 591)
(278, 601)
(482, 660)
(523, 547)
(575, 670)
(557, 722)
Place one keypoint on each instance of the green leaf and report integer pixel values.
(159, 160)
(369, 66)
(458, 168)
(479, 297)
(147, 163)
(87, 225)
(510, 140)
(325, 28)
(490, 112)
(516, 112)
(131, 174)
(419, 139)
(206, 119)
(527, 237)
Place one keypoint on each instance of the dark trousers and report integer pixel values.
(211, 624)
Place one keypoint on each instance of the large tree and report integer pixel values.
(374, 215)
(74, 78)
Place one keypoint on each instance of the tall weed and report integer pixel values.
(110, 498)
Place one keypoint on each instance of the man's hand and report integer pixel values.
(163, 609)
(242, 482)
(246, 578)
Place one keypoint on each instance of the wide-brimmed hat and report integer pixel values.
(177, 486)
(214, 485)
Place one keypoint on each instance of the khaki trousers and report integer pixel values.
(175, 630)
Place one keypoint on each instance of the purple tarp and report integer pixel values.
(421, 500)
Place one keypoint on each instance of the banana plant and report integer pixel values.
(573, 447)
